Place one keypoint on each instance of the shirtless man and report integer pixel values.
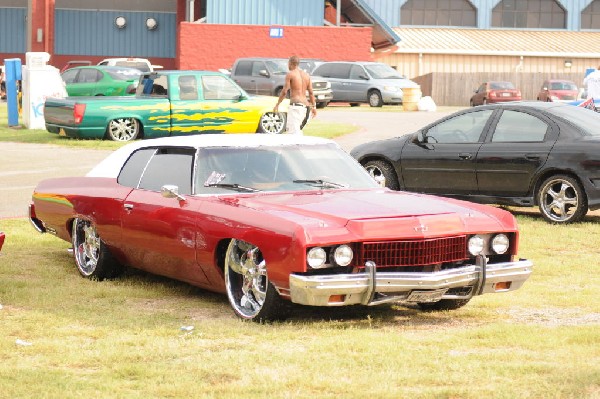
(298, 83)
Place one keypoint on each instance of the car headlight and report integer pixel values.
(500, 243)
(391, 88)
(476, 245)
(316, 257)
(343, 255)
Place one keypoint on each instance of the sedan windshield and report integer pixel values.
(586, 120)
(278, 168)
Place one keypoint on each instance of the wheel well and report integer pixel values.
(220, 252)
(541, 178)
(277, 90)
(373, 90)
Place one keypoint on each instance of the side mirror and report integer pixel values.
(171, 191)
(263, 72)
(363, 77)
(419, 138)
(242, 97)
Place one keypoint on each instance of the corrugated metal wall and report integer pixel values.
(13, 34)
(94, 33)
(389, 11)
(265, 12)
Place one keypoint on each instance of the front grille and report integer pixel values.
(413, 252)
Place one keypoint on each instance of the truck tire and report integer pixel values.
(123, 129)
(272, 123)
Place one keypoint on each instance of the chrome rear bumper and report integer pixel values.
(373, 288)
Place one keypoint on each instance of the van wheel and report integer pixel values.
(123, 129)
(375, 99)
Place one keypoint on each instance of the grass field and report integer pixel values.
(142, 336)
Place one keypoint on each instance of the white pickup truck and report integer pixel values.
(143, 64)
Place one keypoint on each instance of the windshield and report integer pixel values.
(585, 119)
(563, 86)
(279, 67)
(383, 71)
(501, 86)
(142, 66)
(278, 168)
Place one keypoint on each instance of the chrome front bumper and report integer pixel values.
(374, 288)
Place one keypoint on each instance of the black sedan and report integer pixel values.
(519, 154)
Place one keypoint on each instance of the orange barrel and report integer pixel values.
(411, 97)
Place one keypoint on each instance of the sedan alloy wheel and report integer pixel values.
(562, 200)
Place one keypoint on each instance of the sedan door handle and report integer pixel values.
(531, 157)
(128, 207)
(465, 155)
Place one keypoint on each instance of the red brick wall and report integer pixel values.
(210, 46)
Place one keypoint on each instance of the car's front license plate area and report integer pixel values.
(426, 296)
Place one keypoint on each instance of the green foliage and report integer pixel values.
(123, 338)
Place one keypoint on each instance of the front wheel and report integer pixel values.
(383, 173)
(272, 123)
(375, 99)
(562, 200)
(250, 293)
(92, 258)
(123, 129)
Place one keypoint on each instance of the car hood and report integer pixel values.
(379, 213)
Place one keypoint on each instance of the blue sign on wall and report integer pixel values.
(276, 32)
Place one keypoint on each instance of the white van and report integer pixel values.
(143, 64)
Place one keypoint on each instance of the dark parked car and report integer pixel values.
(521, 154)
(495, 92)
(558, 90)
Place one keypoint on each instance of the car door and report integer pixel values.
(516, 148)
(358, 84)
(85, 83)
(159, 233)
(442, 160)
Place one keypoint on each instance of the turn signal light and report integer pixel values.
(337, 298)
(502, 286)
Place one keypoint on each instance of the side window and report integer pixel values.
(215, 87)
(341, 71)
(243, 68)
(172, 166)
(515, 126)
(465, 128)
(188, 88)
(88, 76)
(356, 72)
(323, 70)
(69, 76)
(258, 66)
(134, 167)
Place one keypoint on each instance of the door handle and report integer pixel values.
(465, 156)
(128, 207)
(531, 157)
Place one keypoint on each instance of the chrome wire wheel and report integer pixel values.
(86, 247)
(272, 123)
(245, 279)
(123, 129)
(561, 200)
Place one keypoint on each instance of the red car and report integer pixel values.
(274, 219)
(558, 90)
(495, 92)
(2, 237)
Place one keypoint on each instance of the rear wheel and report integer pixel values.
(383, 173)
(92, 258)
(272, 123)
(250, 293)
(123, 129)
(562, 200)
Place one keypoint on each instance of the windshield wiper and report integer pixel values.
(321, 183)
(230, 186)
